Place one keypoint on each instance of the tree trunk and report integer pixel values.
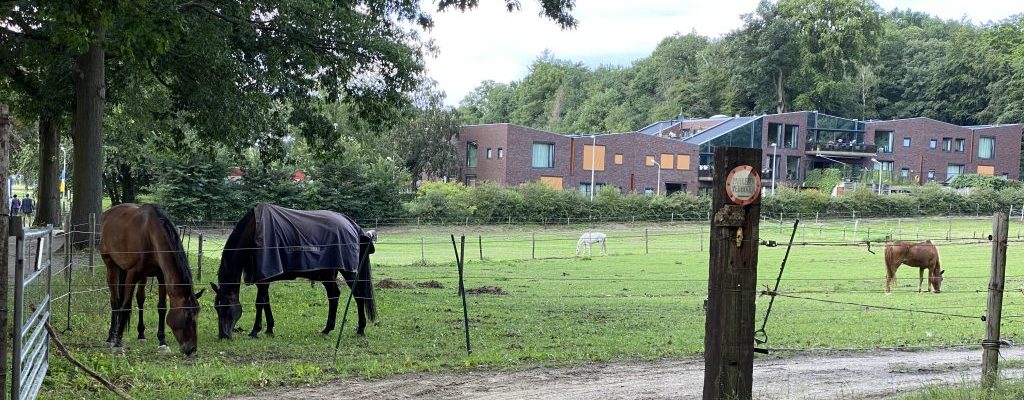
(87, 133)
(780, 91)
(5, 133)
(127, 181)
(48, 200)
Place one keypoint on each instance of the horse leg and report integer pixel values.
(261, 294)
(270, 314)
(114, 282)
(140, 298)
(604, 247)
(333, 293)
(920, 280)
(890, 274)
(124, 309)
(361, 308)
(161, 311)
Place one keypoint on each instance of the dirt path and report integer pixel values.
(867, 375)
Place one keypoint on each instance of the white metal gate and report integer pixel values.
(31, 340)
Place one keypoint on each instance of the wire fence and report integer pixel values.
(528, 292)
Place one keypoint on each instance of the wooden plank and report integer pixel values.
(732, 278)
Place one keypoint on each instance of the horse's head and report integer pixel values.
(936, 280)
(229, 309)
(183, 318)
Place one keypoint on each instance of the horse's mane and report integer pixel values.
(181, 261)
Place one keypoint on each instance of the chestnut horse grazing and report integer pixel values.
(922, 255)
(139, 241)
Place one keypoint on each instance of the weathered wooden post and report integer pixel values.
(990, 357)
(92, 242)
(732, 275)
(6, 128)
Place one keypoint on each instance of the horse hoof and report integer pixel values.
(163, 349)
(117, 350)
(253, 335)
(888, 293)
(269, 334)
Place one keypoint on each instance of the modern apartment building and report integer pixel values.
(509, 154)
(913, 150)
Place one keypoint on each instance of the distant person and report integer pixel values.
(28, 207)
(15, 206)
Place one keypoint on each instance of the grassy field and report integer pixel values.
(642, 301)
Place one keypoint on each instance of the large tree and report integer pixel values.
(221, 61)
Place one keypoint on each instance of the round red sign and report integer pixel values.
(743, 185)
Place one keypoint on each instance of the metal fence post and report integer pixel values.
(423, 255)
(480, 239)
(19, 302)
(92, 242)
(645, 241)
(199, 259)
(533, 246)
(67, 268)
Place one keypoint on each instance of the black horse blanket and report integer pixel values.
(272, 242)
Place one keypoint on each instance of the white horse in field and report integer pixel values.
(590, 238)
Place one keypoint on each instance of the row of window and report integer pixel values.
(471, 150)
(543, 156)
(986, 144)
(787, 135)
(792, 167)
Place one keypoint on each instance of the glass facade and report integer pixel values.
(824, 128)
(747, 135)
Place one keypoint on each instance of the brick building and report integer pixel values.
(509, 154)
(913, 150)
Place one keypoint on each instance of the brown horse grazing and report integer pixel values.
(139, 241)
(922, 255)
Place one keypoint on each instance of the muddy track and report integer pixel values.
(847, 375)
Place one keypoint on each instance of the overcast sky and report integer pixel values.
(490, 43)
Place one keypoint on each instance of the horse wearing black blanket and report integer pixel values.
(273, 243)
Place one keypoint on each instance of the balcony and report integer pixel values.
(705, 173)
(842, 150)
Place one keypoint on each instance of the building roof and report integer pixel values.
(721, 129)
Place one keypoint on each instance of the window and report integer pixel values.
(593, 157)
(471, 155)
(470, 180)
(986, 147)
(489, 153)
(648, 191)
(904, 172)
(555, 182)
(953, 171)
(543, 155)
(885, 165)
(667, 161)
(774, 134)
(789, 140)
(960, 145)
(585, 188)
(932, 144)
(649, 161)
(947, 144)
(769, 166)
(986, 170)
(931, 175)
(793, 168)
(501, 153)
(906, 142)
(618, 159)
(883, 140)
(683, 162)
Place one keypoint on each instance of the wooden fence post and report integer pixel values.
(423, 256)
(990, 357)
(6, 128)
(732, 275)
(480, 239)
(645, 241)
(533, 246)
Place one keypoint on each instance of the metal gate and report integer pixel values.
(31, 340)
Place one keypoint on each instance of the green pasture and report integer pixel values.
(641, 301)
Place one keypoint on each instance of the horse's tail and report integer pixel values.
(174, 243)
(364, 285)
